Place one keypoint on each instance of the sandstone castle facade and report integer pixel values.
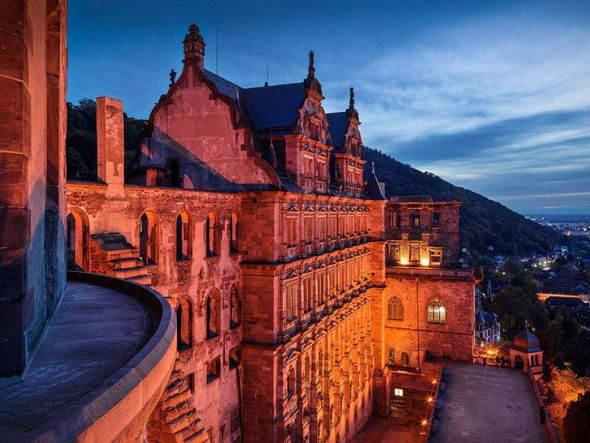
(304, 298)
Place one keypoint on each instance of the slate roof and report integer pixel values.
(526, 341)
(224, 86)
(373, 189)
(338, 127)
(487, 318)
(274, 107)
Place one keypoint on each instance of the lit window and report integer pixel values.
(395, 309)
(436, 312)
(398, 392)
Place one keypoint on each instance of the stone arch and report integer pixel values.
(211, 234)
(78, 231)
(184, 324)
(148, 237)
(235, 307)
(183, 237)
(213, 313)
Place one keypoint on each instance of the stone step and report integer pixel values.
(141, 279)
(189, 430)
(130, 272)
(198, 437)
(175, 399)
(127, 263)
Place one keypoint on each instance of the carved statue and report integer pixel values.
(172, 76)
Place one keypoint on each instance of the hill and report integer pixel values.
(483, 222)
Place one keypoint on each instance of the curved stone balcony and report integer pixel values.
(100, 369)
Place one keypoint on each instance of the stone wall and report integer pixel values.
(32, 171)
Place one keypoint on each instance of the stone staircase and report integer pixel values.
(113, 255)
(177, 409)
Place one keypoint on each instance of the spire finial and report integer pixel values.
(311, 68)
(194, 46)
(351, 102)
(373, 167)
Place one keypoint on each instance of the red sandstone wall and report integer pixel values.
(217, 401)
(197, 126)
(414, 335)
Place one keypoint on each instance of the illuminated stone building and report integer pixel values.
(298, 287)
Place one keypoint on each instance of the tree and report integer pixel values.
(576, 424)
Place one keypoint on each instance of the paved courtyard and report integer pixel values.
(488, 404)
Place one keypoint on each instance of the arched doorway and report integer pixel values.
(147, 238)
(77, 241)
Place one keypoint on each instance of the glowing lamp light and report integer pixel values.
(404, 261)
(429, 399)
(434, 381)
(424, 261)
(424, 422)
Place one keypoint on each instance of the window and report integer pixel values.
(210, 237)
(308, 229)
(213, 369)
(321, 228)
(391, 357)
(234, 357)
(291, 301)
(291, 231)
(234, 308)
(233, 233)
(291, 383)
(147, 238)
(307, 294)
(184, 320)
(393, 252)
(415, 220)
(405, 359)
(414, 252)
(435, 257)
(395, 309)
(436, 312)
(398, 392)
(436, 219)
(182, 237)
(213, 314)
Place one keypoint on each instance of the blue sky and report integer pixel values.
(492, 96)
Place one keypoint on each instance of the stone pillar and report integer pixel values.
(32, 149)
(110, 142)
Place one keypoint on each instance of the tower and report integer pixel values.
(194, 47)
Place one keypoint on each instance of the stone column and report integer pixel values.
(110, 142)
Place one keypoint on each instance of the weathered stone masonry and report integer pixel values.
(299, 289)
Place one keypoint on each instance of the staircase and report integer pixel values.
(118, 258)
(177, 410)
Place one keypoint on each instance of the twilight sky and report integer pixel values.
(490, 95)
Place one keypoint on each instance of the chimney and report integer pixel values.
(194, 47)
(110, 161)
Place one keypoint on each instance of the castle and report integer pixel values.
(298, 287)
(304, 298)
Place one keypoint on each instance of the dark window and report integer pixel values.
(233, 233)
(184, 325)
(182, 239)
(415, 220)
(436, 219)
(213, 369)
(213, 315)
(405, 359)
(210, 231)
(234, 308)
(395, 309)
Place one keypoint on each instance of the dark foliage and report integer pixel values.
(483, 222)
(81, 140)
(576, 424)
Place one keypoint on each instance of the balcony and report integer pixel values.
(100, 369)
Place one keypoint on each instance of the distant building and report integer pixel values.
(487, 328)
(526, 353)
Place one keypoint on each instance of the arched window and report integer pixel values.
(147, 238)
(234, 308)
(291, 383)
(395, 309)
(233, 233)
(405, 359)
(436, 311)
(391, 357)
(182, 238)
(213, 309)
(184, 321)
(210, 237)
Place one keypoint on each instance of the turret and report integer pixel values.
(194, 47)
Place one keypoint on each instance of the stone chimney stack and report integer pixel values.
(194, 47)
(110, 162)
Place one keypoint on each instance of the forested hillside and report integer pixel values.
(484, 223)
